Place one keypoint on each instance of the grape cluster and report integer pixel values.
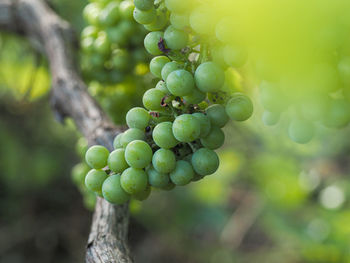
(171, 141)
(112, 41)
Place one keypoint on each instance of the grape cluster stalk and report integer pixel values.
(171, 142)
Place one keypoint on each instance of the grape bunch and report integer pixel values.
(171, 141)
(112, 41)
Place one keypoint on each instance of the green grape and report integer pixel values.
(175, 39)
(205, 161)
(87, 44)
(120, 59)
(113, 192)
(182, 174)
(145, 17)
(152, 99)
(157, 179)
(218, 57)
(134, 180)
(201, 21)
(116, 161)
(117, 141)
(151, 42)
(132, 135)
(176, 5)
(164, 161)
(217, 115)
(96, 60)
(196, 176)
(215, 138)
(163, 135)
(217, 97)
(338, 114)
(209, 77)
(143, 195)
(205, 125)
(162, 87)
(138, 118)
(143, 4)
(169, 187)
(79, 172)
(94, 180)
(223, 29)
(102, 45)
(180, 82)
(159, 23)
(239, 107)
(157, 64)
(127, 27)
(170, 67)
(126, 9)
(234, 56)
(271, 97)
(270, 118)
(138, 154)
(186, 128)
(89, 31)
(179, 21)
(110, 14)
(300, 131)
(96, 157)
(195, 97)
(91, 14)
(116, 36)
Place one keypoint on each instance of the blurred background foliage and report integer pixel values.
(271, 200)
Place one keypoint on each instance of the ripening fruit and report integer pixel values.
(113, 192)
(301, 131)
(110, 14)
(138, 118)
(182, 174)
(179, 20)
(145, 17)
(117, 141)
(143, 195)
(163, 135)
(186, 128)
(102, 45)
(175, 39)
(201, 20)
(239, 107)
(205, 161)
(134, 180)
(217, 115)
(162, 87)
(151, 42)
(152, 99)
(209, 77)
(157, 179)
(195, 97)
(180, 82)
(96, 157)
(159, 23)
(132, 135)
(164, 161)
(215, 139)
(126, 9)
(270, 118)
(170, 67)
(144, 4)
(94, 180)
(138, 154)
(205, 124)
(116, 161)
(120, 59)
(156, 65)
(176, 5)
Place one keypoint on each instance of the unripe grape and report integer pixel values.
(224, 29)
(132, 135)
(164, 161)
(152, 99)
(138, 154)
(110, 14)
(117, 141)
(300, 131)
(239, 107)
(159, 23)
(179, 21)
(94, 180)
(102, 44)
(144, 4)
(89, 31)
(163, 135)
(201, 20)
(195, 97)
(182, 174)
(91, 13)
(113, 192)
(270, 118)
(79, 172)
(175, 39)
(180, 82)
(162, 87)
(186, 128)
(209, 77)
(143, 195)
(215, 139)
(126, 9)
(217, 55)
(157, 179)
(116, 161)
(235, 56)
(151, 42)
(205, 161)
(96, 157)
(138, 118)
(205, 124)
(272, 98)
(170, 67)
(87, 44)
(120, 59)
(145, 17)
(157, 64)
(176, 5)
(133, 180)
(217, 115)
(116, 36)
(338, 114)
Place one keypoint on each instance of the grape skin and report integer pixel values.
(143, 195)
(180, 82)
(113, 192)
(94, 180)
(144, 17)
(138, 154)
(143, 4)
(175, 39)
(163, 135)
(182, 174)
(164, 161)
(133, 180)
(205, 161)
(96, 157)
(195, 97)
(157, 64)
(157, 179)
(170, 67)
(239, 107)
(209, 77)
(300, 131)
(117, 143)
(186, 128)
(215, 139)
(132, 135)
(205, 124)
(138, 118)
(217, 115)
(270, 118)
(116, 161)
(152, 99)
(151, 42)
